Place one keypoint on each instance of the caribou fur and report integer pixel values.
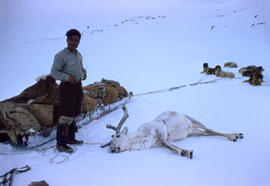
(167, 127)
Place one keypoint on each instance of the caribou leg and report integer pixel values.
(198, 125)
(208, 132)
(177, 150)
(198, 132)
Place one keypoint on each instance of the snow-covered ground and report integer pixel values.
(147, 46)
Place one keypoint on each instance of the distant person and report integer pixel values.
(68, 68)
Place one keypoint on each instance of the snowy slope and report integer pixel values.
(148, 46)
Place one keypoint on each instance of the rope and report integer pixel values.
(178, 87)
(59, 157)
(39, 145)
(200, 82)
(64, 157)
(7, 177)
(93, 143)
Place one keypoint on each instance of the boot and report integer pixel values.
(62, 138)
(64, 148)
(71, 135)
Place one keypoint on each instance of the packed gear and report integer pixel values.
(17, 121)
(36, 110)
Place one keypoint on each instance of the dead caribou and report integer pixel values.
(162, 131)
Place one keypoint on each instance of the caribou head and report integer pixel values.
(119, 142)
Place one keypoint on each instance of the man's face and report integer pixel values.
(73, 42)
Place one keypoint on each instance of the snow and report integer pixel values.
(147, 55)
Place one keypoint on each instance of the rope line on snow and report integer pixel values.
(178, 87)
(182, 86)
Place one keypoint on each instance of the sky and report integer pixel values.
(147, 46)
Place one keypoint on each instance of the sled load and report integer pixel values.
(37, 107)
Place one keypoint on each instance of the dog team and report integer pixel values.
(253, 72)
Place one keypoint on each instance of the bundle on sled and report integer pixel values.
(37, 107)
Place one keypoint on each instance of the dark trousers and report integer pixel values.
(70, 98)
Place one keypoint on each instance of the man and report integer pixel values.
(68, 68)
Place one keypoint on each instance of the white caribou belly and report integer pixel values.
(177, 125)
(168, 126)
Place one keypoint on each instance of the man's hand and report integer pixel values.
(72, 80)
(84, 74)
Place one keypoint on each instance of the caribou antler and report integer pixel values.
(120, 124)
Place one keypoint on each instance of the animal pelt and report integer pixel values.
(88, 104)
(96, 90)
(111, 95)
(42, 87)
(250, 70)
(208, 70)
(230, 64)
(122, 92)
(220, 73)
(44, 77)
(107, 93)
(110, 82)
(50, 98)
(255, 80)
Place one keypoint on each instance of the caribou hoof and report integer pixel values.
(235, 137)
(187, 153)
(190, 155)
(241, 136)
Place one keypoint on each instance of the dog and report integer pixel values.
(250, 70)
(255, 80)
(208, 70)
(220, 73)
(231, 65)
